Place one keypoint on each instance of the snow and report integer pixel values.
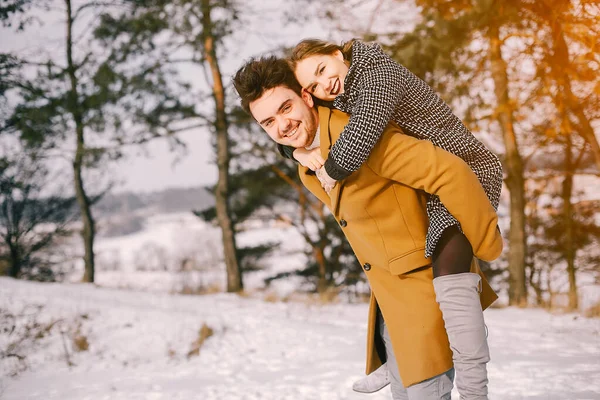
(264, 346)
(138, 343)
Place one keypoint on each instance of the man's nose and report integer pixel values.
(284, 124)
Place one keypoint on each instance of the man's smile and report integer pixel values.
(291, 132)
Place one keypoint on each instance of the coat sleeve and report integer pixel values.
(378, 92)
(421, 165)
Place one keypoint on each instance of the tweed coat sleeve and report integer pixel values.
(421, 165)
(376, 93)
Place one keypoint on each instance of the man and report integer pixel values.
(381, 210)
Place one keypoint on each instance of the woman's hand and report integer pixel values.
(327, 182)
(310, 159)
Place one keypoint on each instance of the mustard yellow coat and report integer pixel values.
(382, 211)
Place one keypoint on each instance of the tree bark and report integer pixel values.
(568, 105)
(234, 273)
(321, 262)
(515, 177)
(15, 260)
(88, 231)
(569, 242)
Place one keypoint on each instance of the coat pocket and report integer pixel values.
(409, 261)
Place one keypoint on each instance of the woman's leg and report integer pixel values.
(453, 253)
(457, 292)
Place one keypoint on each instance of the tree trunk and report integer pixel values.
(88, 232)
(569, 242)
(567, 103)
(234, 273)
(15, 260)
(321, 262)
(515, 178)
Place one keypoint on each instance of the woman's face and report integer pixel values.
(322, 75)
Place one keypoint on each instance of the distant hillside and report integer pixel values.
(164, 201)
(125, 213)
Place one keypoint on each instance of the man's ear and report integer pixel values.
(308, 99)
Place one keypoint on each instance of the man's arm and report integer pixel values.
(421, 165)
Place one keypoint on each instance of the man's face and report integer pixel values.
(287, 118)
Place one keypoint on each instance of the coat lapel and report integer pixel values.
(310, 181)
(326, 143)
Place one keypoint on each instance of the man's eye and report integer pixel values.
(286, 108)
(268, 123)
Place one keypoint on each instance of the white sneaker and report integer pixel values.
(373, 382)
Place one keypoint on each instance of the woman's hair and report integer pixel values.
(311, 47)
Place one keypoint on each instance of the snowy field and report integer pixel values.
(138, 345)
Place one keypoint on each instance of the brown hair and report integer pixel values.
(257, 76)
(311, 47)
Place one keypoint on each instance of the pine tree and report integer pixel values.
(566, 61)
(458, 34)
(455, 47)
(189, 32)
(86, 99)
(30, 224)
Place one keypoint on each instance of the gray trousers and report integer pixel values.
(437, 388)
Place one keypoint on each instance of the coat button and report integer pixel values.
(367, 266)
(343, 223)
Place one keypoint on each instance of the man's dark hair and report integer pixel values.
(259, 75)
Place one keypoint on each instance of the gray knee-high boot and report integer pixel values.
(458, 297)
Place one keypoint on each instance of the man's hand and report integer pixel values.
(327, 182)
(311, 159)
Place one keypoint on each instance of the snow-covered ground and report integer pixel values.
(138, 345)
(135, 331)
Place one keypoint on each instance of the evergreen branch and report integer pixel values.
(192, 60)
(168, 133)
(41, 64)
(15, 355)
(97, 4)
